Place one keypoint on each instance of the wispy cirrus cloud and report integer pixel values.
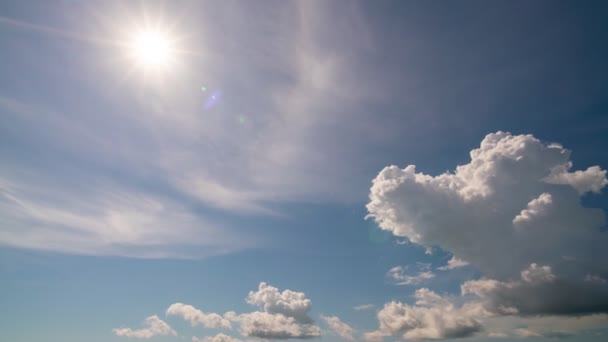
(363, 307)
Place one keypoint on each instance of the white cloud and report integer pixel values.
(342, 329)
(285, 315)
(155, 326)
(536, 207)
(289, 303)
(477, 213)
(274, 326)
(216, 338)
(165, 142)
(111, 221)
(470, 212)
(591, 180)
(432, 317)
(397, 274)
(453, 263)
(537, 274)
(197, 317)
(363, 307)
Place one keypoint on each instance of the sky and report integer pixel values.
(223, 171)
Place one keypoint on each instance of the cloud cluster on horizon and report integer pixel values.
(217, 338)
(283, 315)
(513, 212)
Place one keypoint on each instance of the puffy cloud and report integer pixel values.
(216, 338)
(197, 317)
(537, 274)
(539, 291)
(397, 274)
(274, 326)
(536, 207)
(470, 212)
(289, 303)
(591, 180)
(513, 212)
(432, 317)
(285, 315)
(453, 263)
(342, 329)
(155, 326)
(363, 307)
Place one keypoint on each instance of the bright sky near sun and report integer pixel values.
(223, 171)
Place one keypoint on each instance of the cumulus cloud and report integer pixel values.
(398, 275)
(216, 338)
(154, 326)
(591, 180)
(513, 212)
(539, 291)
(342, 329)
(536, 207)
(197, 317)
(284, 315)
(274, 326)
(453, 263)
(432, 317)
(288, 303)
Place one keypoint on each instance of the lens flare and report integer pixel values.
(152, 49)
(212, 99)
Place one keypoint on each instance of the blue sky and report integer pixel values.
(236, 174)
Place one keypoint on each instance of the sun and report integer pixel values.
(152, 49)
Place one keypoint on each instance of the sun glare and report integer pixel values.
(152, 49)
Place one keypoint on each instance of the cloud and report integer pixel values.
(513, 212)
(342, 329)
(284, 316)
(536, 207)
(453, 263)
(432, 317)
(216, 338)
(363, 307)
(101, 217)
(591, 180)
(539, 291)
(288, 303)
(165, 142)
(274, 326)
(155, 326)
(197, 317)
(397, 274)
(545, 326)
